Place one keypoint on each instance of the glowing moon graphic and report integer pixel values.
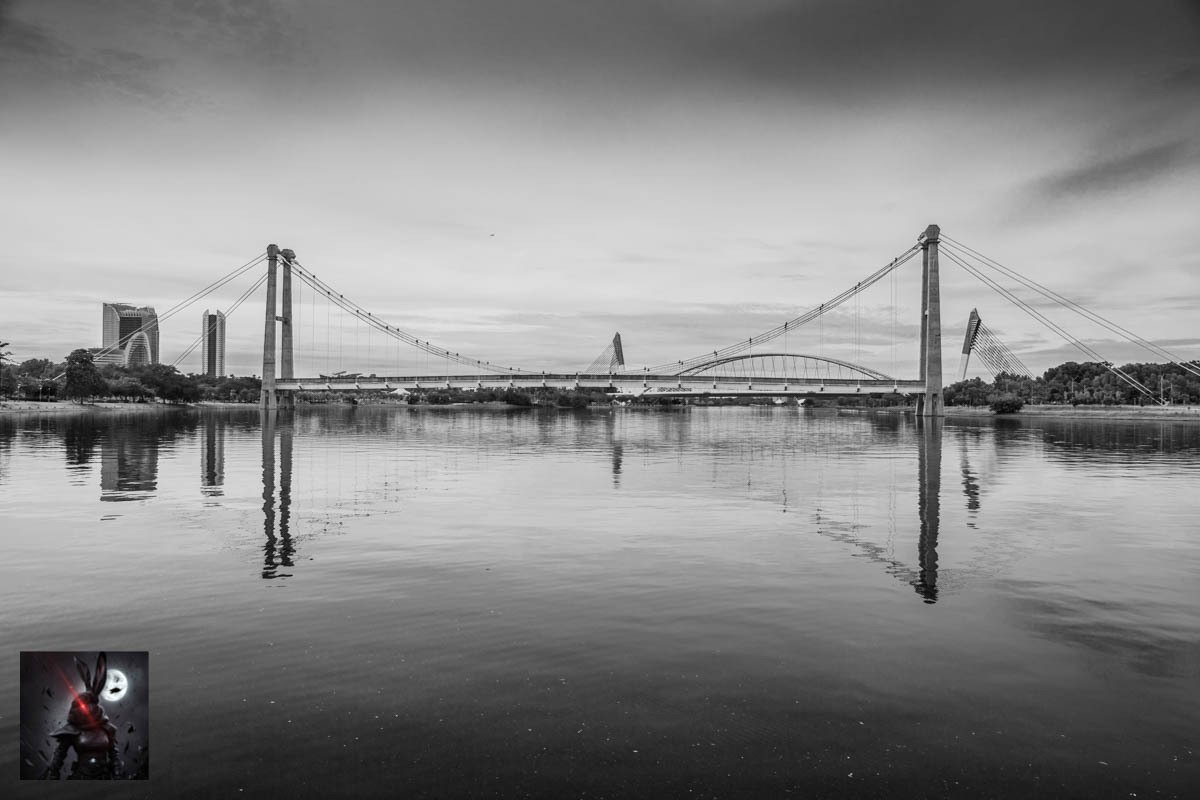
(115, 687)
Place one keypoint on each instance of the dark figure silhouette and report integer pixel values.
(88, 731)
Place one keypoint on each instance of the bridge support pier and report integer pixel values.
(929, 403)
(269, 398)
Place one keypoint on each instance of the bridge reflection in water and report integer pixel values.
(279, 548)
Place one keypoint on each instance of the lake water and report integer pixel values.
(715, 602)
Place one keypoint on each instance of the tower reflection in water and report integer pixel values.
(923, 576)
(278, 550)
(929, 467)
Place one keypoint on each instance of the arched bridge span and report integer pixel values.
(787, 365)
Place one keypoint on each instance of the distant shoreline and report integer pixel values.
(61, 408)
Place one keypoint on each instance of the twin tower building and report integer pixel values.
(130, 338)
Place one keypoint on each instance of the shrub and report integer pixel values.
(517, 398)
(1006, 404)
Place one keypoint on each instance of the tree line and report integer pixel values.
(1088, 383)
(79, 378)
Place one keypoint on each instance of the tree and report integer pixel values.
(82, 377)
(37, 368)
(35, 389)
(8, 378)
(971, 392)
(166, 382)
(127, 388)
(8, 381)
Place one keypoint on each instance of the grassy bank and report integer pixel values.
(1086, 412)
(68, 408)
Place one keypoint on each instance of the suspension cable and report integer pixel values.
(228, 313)
(1082, 311)
(1037, 315)
(808, 316)
(996, 354)
(368, 318)
(181, 305)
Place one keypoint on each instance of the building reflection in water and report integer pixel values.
(929, 466)
(278, 550)
(212, 458)
(128, 464)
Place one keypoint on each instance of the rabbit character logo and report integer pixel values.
(88, 731)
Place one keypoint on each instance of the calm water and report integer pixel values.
(726, 602)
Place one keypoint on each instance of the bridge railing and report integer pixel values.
(690, 384)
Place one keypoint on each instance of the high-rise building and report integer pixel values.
(130, 334)
(212, 351)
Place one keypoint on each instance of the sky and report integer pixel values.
(515, 180)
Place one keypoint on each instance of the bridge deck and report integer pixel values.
(625, 384)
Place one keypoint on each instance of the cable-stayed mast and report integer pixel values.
(612, 359)
(994, 353)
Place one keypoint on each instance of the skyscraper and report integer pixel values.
(212, 351)
(131, 332)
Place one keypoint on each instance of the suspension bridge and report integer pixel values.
(733, 371)
(755, 366)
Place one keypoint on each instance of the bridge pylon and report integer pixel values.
(929, 403)
(270, 397)
(286, 399)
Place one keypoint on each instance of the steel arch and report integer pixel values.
(866, 372)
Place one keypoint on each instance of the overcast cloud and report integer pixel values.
(518, 179)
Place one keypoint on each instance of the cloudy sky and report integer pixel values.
(517, 179)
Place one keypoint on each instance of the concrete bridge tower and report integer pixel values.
(270, 397)
(929, 404)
